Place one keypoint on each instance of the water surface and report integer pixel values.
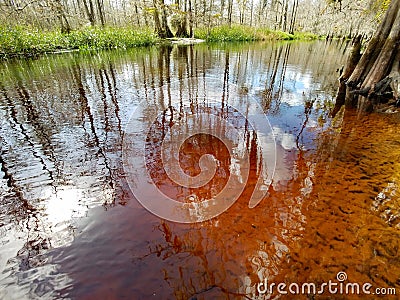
(72, 228)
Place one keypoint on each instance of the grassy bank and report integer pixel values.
(22, 41)
(246, 33)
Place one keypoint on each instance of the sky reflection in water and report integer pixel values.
(72, 228)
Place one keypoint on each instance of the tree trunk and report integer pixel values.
(230, 10)
(137, 15)
(182, 32)
(164, 20)
(182, 26)
(89, 11)
(385, 58)
(293, 17)
(64, 24)
(101, 12)
(251, 12)
(209, 18)
(160, 20)
(190, 19)
(145, 14)
(351, 64)
(222, 9)
(376, 43)
(374, 77)
(285, 8)
(157, 23)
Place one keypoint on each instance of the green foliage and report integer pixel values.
(24, 41)
(246, 33)
(378, 8)
(306, 36)
(226, 34)
(267, 34)
(108, 38)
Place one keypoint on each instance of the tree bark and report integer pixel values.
(209, 18)
(160, 20)
(293, 17)
(182, 26)
(101, 12)
(369, 82)
(89, 11)
(157, 23)
(350, 66)
(164, 20)
(190, 19)
(385, 58)
(64, 23)
(137, 15)
(222, 9)
(375, 44)
(230, 10)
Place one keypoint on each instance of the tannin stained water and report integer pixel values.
(72, 228)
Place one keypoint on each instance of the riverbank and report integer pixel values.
(27, 42)
(241, 33)
(30, 42)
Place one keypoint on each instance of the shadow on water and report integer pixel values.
(71, 227)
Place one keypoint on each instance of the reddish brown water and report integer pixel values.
(72, 228)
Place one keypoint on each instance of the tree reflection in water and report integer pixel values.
(71, 227)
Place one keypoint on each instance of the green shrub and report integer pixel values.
(108, 38)
(246, 33)
(227, 34)
(24, 41)
(27, 41)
